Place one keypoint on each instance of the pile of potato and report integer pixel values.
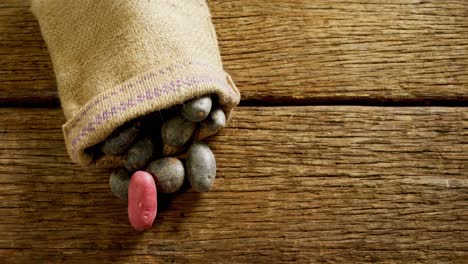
(150, 150)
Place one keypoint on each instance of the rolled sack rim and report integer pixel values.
(151, 91)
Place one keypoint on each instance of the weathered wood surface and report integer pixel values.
(296, 50)
(311, 184)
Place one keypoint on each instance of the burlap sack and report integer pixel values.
(116, 60)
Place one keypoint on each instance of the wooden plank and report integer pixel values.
(296, 50)
(305, 184)
(26, 73)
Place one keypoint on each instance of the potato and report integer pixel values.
(142, 201)
(211, 125)
(197, 109)
(177, 131)
(200, 167)
(118, 182)
(168, 174)
(139, 154)
(121, 140)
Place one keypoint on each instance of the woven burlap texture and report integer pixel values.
(116, 60)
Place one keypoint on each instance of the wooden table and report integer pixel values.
(350, 144)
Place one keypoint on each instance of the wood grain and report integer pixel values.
(316, 50)
(26, 74)
(305, 184)
(304, 51)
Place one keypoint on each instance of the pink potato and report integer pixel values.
(142, 201)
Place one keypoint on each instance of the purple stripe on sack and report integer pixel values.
(123, 88)
(160, 73)
(148, 95)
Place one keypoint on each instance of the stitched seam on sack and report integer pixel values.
(155, 92)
